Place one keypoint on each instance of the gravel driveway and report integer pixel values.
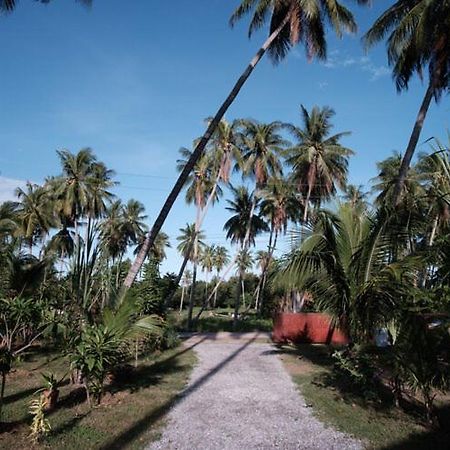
(241, 397)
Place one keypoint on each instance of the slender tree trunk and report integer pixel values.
(264, 279)
(198, 151)
(215, 294)
(434, 229)
(412, 144)
(263, 270)
(191, 296)
(243, 291)
(237, 304)
(182, 298)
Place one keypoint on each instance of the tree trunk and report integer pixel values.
(182, 298)
(215, 294)
(237, 304)
(198, 151)
(434, 229)
(412, 144)
(191, 297)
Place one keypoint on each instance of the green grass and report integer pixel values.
(378, 423)
(130, 416)
(221, 319)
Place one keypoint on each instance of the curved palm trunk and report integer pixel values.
(412, 144)
(150, 238)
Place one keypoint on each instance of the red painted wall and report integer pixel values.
(312, 328)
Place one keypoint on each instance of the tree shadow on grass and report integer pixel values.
(436, 439)
(146, 422)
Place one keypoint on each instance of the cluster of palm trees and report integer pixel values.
(260, 152)
(74, 218)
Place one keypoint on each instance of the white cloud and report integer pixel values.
(364, 63)
(7, 188)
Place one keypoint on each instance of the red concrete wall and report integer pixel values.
(306, 328)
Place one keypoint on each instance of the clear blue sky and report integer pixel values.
(135, 82)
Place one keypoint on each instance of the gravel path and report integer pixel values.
(241, 397)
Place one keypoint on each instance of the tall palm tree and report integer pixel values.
(221, 259)
(244, 262)
(319, 162)
(243, 223)
(418, 39)
(279, 205)
(190, 243)
(412, 195)
(291, 22)
(356, 196)
(207, 263)
(262, 145)
(34, 214)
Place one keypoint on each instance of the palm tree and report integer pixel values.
(207, 263)
(319, 162)
(262, 145)
(221, 259)
(291, 22)
(412, 195)
(356, 196)
(434, 171)
(243, 226)
(35, 214)
(345, 266)
(191, 242)
(419, 36)
(8, 220)
(279, 205)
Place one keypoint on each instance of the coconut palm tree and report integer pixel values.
(244, 262)
(319, 162)
(221, 259)
(291, 22)
(345, 266)
(412, 195)
(279, 205)
(261, 147)
(190, 243)
(356, 196)
(207, 263)
(243, 223)
(418, 40)
(34, 213)
(434, 171)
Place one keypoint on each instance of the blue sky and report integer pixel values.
(135, 83)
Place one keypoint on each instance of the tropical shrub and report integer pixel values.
(40, 426)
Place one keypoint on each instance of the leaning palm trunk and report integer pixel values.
(150, 238)
(412, 144)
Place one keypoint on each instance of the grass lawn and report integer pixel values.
(130, 416)
(220, 319)
(378, 424)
